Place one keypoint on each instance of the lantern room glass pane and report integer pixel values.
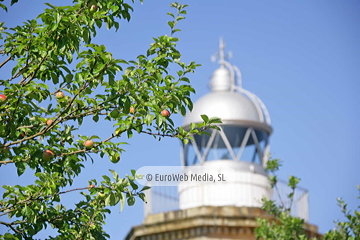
(218, 149)
(190, 155)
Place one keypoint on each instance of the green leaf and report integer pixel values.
(142, 197)
(183, 110)
(96, 118)
(20, 167)
(50, 5)
(9, 236)
(171, 24)
(13, 2)
(58, 207)
(215, 127)
(115, 175)
(129, 70)
(291, 195)
(179, 18)
(54, 78)
(5, 8)
(122, 201)
(127, 105)
(215, 120)
(129, 133)
(110, 200)
(133, 185)
(69, 77)
(106, 178)
(98, 23)
(86, 35)
(293, 181)
(26, 211)
(145, 188)
(205, 118)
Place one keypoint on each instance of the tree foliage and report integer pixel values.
(283, 226)
(60, 77)
(349, 229)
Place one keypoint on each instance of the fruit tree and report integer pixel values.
(59, 77)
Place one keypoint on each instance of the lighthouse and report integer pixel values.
(242, 144)
(232, 158)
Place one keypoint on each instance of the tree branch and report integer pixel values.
(4, 62)
(10, 225)
(22, 82)
(71, 153)
(160, 134)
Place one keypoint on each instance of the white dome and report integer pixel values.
(229, 101)
(230, 107)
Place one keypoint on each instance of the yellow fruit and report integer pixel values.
(93, 8)
(132, 110)
(100, 194)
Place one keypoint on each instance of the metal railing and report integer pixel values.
(165, 199)
(300, 204)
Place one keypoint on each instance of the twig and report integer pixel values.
(4, 62)
(160, 134)
(23, 83)
(292, 199)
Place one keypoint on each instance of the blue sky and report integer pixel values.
(302, 58)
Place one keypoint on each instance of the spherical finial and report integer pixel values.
(221, 80)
